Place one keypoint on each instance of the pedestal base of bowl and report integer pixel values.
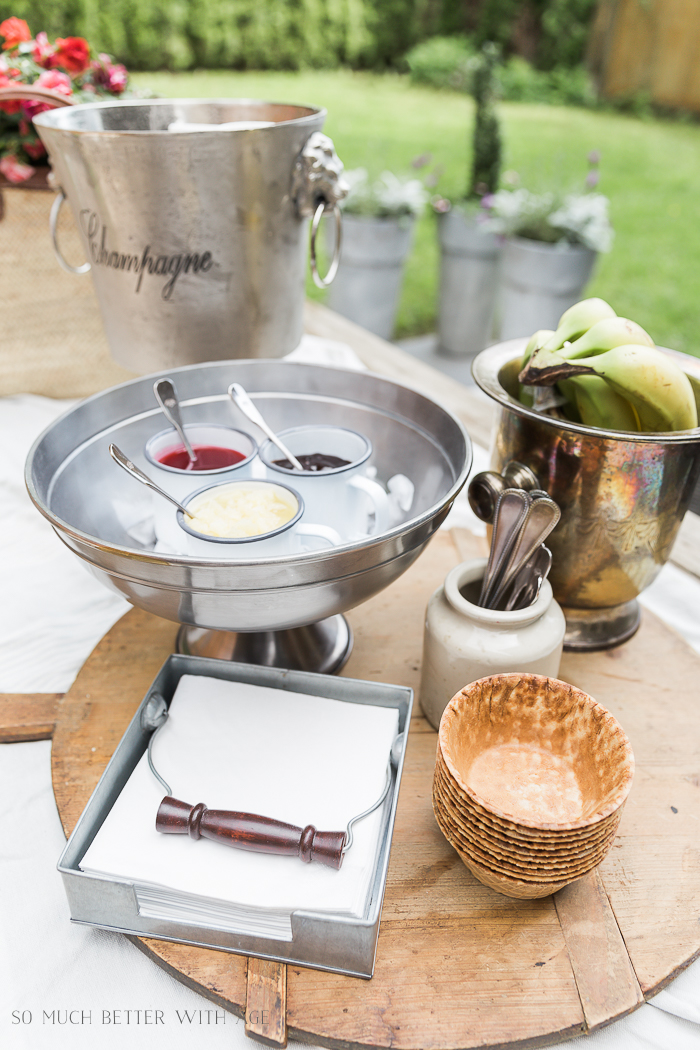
(323, 646)
(588, 630)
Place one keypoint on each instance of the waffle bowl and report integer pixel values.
(507, 833)
(504, 848)
(529, 833)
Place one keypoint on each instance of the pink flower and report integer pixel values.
(117, 79)
(14, 171)
(440, 204)
(592, 179)
(43, 51)
(99, 67)
(54, 80)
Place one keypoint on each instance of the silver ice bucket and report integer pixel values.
(194, 236)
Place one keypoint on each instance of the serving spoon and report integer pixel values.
(511, 510)
(541, 517)
(528, 581)
(131, 468)
(166, 397)
(240, 398)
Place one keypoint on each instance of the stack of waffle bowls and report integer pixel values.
(523, 853)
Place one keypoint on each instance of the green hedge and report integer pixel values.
(298, 34)
(233, 34)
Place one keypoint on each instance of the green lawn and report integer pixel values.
(650, 170)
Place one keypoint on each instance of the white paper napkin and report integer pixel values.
(297, 758)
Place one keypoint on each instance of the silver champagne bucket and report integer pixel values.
(194, 237)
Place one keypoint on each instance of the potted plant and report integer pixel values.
(469, 249)
(378, 222)
(551, 244)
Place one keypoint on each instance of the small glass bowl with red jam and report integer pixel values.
(223, 454)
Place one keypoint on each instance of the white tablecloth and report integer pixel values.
(64, 985)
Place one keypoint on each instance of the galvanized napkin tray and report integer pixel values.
(339, 943)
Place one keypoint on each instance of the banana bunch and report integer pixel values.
(610, 373)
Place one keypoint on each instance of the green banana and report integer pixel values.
(596, 404)
(577, 320)
(536, 342)
(650, 380)
(603, 336)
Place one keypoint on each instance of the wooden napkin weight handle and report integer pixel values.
(250, 832)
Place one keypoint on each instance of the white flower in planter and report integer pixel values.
(585, 218)
(388, 197)
(577, 218)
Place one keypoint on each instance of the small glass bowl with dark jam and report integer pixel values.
(334, 483)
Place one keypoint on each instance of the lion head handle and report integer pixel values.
(318, 176)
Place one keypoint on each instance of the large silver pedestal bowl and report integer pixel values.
(622, 497)
(285, 611)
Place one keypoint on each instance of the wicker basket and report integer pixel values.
(52, 340)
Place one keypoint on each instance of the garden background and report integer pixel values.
(389, 73)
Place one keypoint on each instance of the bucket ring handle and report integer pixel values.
(53, 225)
(323, 282)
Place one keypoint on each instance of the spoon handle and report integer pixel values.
(543, 514)
(131, 468)
(240, 398)
(167, 399)
(527, 582)
(511, 510)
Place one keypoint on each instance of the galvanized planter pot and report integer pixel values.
(469, 264)
(367, 286)
(538, 283)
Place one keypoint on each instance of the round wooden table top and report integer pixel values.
(458, 965)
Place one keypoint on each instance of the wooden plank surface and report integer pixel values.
(266, 1002)
(458, 965)
(27, 716)
(606, 981)
(650, 685)
(652, 48)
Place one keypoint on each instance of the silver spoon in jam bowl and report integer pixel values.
(125, 463)
(239, 397)
(164, 389)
